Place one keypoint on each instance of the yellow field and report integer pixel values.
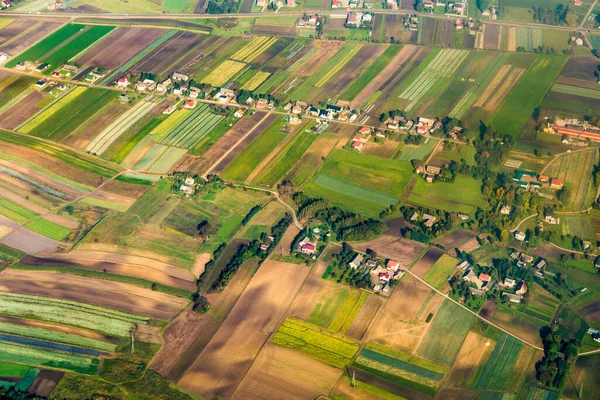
(169, 123)
(44, 115)
(338, 66)
(253, 49)
(223, 73)
(256, 80)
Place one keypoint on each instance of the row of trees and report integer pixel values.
(560, 15)
(559, 357)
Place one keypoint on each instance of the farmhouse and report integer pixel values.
(541, 264)
(354, 264)
(513, 298)
(463, 265)
(556, 183)
(551, 220)
(190, 104)
(526, 179)
(520, 236)
(354, 19)
(169, 110)
(595, 334)
(5, 3)
(308, 248)
(392, 265)
(239, 113)
(505, 210)
(521, 289)
(509, 283)
(177, 77)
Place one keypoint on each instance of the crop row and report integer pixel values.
(500, 363)
(338, 66)
(292, 51)
(348, 311)
(47, 113)
(407, 357)
(69, 313)
(400, 364)
(223, 73)
(118, 127)
(577, 91)
(28, 379)
(55, 336)
(193, 128)
(509, 82)
(399, 372)
(15, 211)
(256, 80)
(253, 49)
(44, 358)
(66, 348)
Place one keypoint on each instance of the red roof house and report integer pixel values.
(485, 277)
(364, 130)
(308, 248)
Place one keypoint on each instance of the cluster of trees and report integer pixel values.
(419, 231)
(244, 95)
(15, 394)
(559, 356)
(491, 146)
(391, 114)
(226, 7)
(343, 273)
(347, 225)
(148, 75)
(251, 214)
(201, 303)
(557, 16)
(460, 288)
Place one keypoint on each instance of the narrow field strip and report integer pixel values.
(349, 55)
(48, 112)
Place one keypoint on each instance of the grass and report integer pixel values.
(15, 211)
(446, 334)
(438, 274)
(76, 45)
(407, 357)
(331, 348)
(499, 367)
(223, 73)
(370, 73)
(574, 169)
(53, 109)
(462, 195)
(45, 358)
(48, 229)
(120, 156)
(45, 45)
(13, 370)
(14, 88)
(348, 311)
(175, 5)
(249, 159)
(580, 226)
(327, 306)
(527, 94)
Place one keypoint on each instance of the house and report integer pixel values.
(239, 113)
(520, 236)
(357, 146)
(140, 87)
(386, 288)
(513, 298)
(169, 110)
(505, 210)
(463, 265)
(526, 258)
(509, 283)
(123, 97)
(40, 84)
(430, 220)
(579, 42)
(56, 74)
(371, 264)
(430, 169)
(365, 130)
(577, 3)
(179, 77)
(392, 265)
(556, 183)
(190, 181)
(186, 189)
(551, 220)
(354, 264)
(476, 292)
(429, 178)
(42, 67)
(261, 104)
(360, 138)
(521, 289)
(541, 264)
(296, 109)
(377, 287)
(189, 104)
(467, 276)
(264, 247)
(463, 217)
(308, 248)
(384, 277)
(595, 334)
(428, 4)
(353, 19)
(261, 3)
(290, 3)
(393, 125)
(484, 277)
(459, 24)
(5, 3)
(419, 169)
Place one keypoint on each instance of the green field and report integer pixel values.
(574, 169)
(44, 358)
(438, 274)
(446, 334)
(348, 311)
(579, 226)
(327, 307)
(500, 365)
(462, 195)
(45, 45)
(49, 229)
(15, 211)
(247, 161)
(331, 348)
(13, 370)
(360, 183)
(527, 94)
(14, 87)
(76, 46)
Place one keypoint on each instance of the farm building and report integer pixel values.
(513, 298)
(356, 263)
(520, 236)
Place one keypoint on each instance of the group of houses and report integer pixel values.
(480, 284)
(380, 274)
(309, 21)
(451, 7)
(429, 172)
(55, 5)
(359, 19)
(5, 4)
(309, 245)
(346, 3)
(573, 128)
(340, 111)
(264, 3)
(427, 219)
(532, 181)
(175, 83)
(420, 126)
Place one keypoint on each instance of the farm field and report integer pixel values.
(575, 171)
(463, 195)
(438, 274)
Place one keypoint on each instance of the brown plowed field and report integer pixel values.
(325, 50)
(491, 37)
(468, 359)
(386, 73)
(21, 111)
(112, 197)
(445, 33)
(190, 332)
(137, 254)
(364, 317)
(28, 241)
(59, 328)
(33, 35)
(119, 47)
(96, 124)
(14, 29)
(159, 60)
(100, 292)
(581, 68)
(424, 264)
(119, 269)
(222, 365)
(192, 61)
(277, 370)
(45, 382)
(398, 249)
(455, 239)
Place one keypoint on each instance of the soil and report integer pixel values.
(21, 111)
(455, 239)
(141, 257)
(201, 260)
(424, 264)
(17, 46)
(364, 317)
(383, 150)
(488, 310)
(468, 360)
(120, 46)
(28, 241)
(401, 250)
(274, 30)
(100, 292)
(45, 382)
(591, 312)
(577, 82)
(581, 68)
(14, 29)
(389, 386)
(386, 73)
(285, 244)
(491, 37)
(277, 370)
(92, 128)
(112, 197)
(60, 328)
(325, 50)
(222, 365)
(125, 189)
(148, 334)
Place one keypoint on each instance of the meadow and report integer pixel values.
(76, 45)
(462, 195)
(438, 274)
(44, 358)
(48, 229)
(500, 365)
(348, 311)
(189, 131)
(574, 169)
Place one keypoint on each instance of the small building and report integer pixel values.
(541, 264)
(577, 3)
(123, 82)
(365, 130)
(308, 248)
(550, 219)
(239, 113)
(371, 264)
(505, 210)
(526, 258)
(264, 247)
(463, 265)
(261, 3)
(356, 263)
(513, 298)
(384, 277)
(169, 110)
(357, 145)
(392, 265)
(468, 275)
(520, 236)
(186, 189)
(40, 84)
(484, 277)
(190, 104)
(180, 77)
(521, 289)
(556, 183)
(509, 283)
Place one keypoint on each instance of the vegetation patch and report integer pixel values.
(48, 229)
(438, 274)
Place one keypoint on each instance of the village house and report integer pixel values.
(430, 169)
(428, 4)
(463, 265)
(526, 258)
(162, 87)
(392, 265)
(486, 282)
(430, 220)
(239, 113)
(520, 236)
(169, 110)
(551, 220)
(261, 3)
(384, 277)
(353, 19)
(505, 210)
(556, 183)
(509, 283)
(179, 77)
(356, 263)
(468, 275)
(140, 86)
(521, 289)
(358, 146)
(264, 246)
(189, 104)
(541, 264)
(595, 333)
(5, 4)
(371, 264)
(513, 298)
(577, 3)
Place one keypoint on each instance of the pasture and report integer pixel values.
(440, 271)
(462, 195)
(574, 169)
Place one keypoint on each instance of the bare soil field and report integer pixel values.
(113, 268)
(148, 334)
(45, 382)
(120, 46)
(93, 126)
(21, 111)
(458, 394)
(225, 360)
(398, 249)
(285, 244)
(547, 251)
(31, 36)
(159, 60)
(386, 73)
(199, 265)
(455, 239)
(488, 310)
(190, 332)
(590, 312)
(141, 257)
(586, 84)
(427, 31)
(325, 50)
(468, 359)
(444, 33)
(201, 164)
(398, 325)
(277, 370)
(59, 328)
(523, 328)
(422, 266)
(345, 391)
(112, 197)
(200, 5)
(192, 60)
(28, 241)
(124, 189)
(491, 37)
(274, 30)
(580, 68)
(100, 292)
(364, 317)
(389, 386)
(14, 29)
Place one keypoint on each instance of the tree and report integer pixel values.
(201, 304)
(571, 18)
(505, 235)
(482, 4)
